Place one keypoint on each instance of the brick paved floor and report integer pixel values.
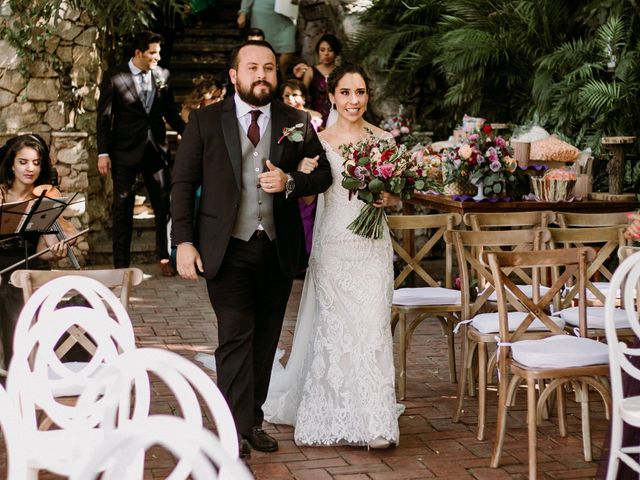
(175, 314)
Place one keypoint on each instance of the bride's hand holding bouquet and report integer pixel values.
(377, 169)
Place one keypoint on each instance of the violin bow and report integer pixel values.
(41, 252)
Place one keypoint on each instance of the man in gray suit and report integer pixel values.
(135, 101)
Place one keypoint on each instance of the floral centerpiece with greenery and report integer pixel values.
(482, 160)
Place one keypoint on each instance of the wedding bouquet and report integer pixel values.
(375, 165)
(484, 161)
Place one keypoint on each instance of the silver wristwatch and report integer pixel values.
(289, 186)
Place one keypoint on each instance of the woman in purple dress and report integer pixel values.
(315, 78)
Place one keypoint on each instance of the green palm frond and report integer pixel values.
(599, 96)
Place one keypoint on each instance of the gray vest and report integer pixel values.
(256, 206)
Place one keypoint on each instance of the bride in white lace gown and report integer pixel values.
(338, 385)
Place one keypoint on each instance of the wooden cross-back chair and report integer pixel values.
(433, 300)
(121, 280)
(607, 241)
(508, 221)
(576, 220)
(479, 326)
(551, 362)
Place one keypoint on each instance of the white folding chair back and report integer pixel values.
(189, 385)
(38, 379)
(197, 450)
(623, 358)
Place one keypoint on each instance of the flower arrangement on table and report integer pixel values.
(399, 126)
(482, 160)
(375, 165)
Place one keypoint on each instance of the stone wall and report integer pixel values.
(60, 105)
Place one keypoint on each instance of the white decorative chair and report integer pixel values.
(39, 382)
(196, 449)
(129, 377)
(13, 437)
(622, 358)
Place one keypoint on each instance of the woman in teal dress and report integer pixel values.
(279, 30)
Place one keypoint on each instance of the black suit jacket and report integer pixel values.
(210, 155)
(123, 123)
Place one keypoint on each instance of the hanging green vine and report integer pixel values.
(31, 24)
(29, 37)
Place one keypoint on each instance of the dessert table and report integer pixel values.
(445, 204)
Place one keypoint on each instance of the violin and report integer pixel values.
(64, 229)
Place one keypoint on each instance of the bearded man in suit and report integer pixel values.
(249, 242)
(135, 101)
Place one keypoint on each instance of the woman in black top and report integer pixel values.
(24, 164)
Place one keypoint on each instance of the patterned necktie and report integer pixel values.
(144, 87)
(254, 130)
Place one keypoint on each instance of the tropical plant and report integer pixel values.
(488, 51)
(588, 88)
(399, 40)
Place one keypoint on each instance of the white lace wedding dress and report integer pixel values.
(338, 385)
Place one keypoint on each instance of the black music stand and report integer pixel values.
(30, 216)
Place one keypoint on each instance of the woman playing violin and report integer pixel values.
(25, 168)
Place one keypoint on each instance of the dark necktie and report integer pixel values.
(143, 87)
(254, 130)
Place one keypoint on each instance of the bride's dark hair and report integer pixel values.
(341, 71)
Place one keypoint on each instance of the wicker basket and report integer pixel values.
(548, 190)
(460, 188)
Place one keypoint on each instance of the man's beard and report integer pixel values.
(251, 98)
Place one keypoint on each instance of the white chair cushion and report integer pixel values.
(603, 287)
(426, 296)
(526, 289)
(560, 351)
(595, 317)
(489, 323)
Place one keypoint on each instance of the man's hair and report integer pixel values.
(143, 39)
(256, 43)
(254, 32)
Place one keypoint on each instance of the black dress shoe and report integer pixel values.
(245, 449)
(261, 441)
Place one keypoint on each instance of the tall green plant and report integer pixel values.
(588, 88)
(399, 39)
(489, 49)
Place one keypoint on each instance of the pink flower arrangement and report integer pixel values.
(397, 126)
(481, 158)
(375, 165)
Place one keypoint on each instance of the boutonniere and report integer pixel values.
(161, 83)
(293, 134)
